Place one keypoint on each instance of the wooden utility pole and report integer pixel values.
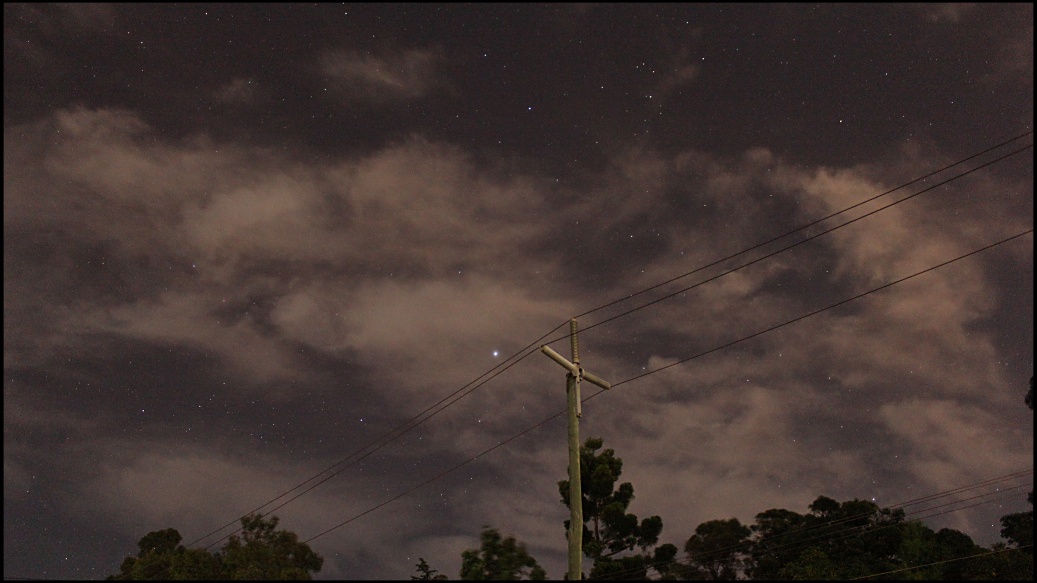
(572, 389)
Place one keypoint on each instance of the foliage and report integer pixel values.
(847, 540)
(811, 565)
(1007, 565)
(631, 567)
(268, 554)
(608, 528)
(427, 573)
(162, 556)
(499, 560)
(790, 545)
(663, 562)
(159, 542)
(920, 545)
(1017, 528)
(260, 553)
(774, 533)
(717, 550)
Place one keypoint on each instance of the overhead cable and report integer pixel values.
(640, 376)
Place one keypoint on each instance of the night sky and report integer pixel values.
(243, 242)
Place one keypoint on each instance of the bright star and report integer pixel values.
(495, 353)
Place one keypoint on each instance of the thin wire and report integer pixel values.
(562, 412)
(354, 462)
(415, 425)
(389, 437)
(818, 311)
(627, 571)
(800, 228)
(783, 249)
(998, 491)
(532, 344)
(965, 488)
(901, 505)
(437, 476)
(827, 537)
(945, 561)
(394, 437)
(831, 536)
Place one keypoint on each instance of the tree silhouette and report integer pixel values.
(261, 552)
(608, 528)
(499, 559)
(427, 573)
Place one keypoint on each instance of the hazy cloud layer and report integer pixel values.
(373, 78)
(197, 319)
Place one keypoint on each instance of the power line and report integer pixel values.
(621, 382)
(964, 488)
(783, 249)
(864, 529)
(683, 562)
(562, 412)
(438, 476)
(210, 545)
(755, 261)
(390, 433)
(998, 491)
(818, 311)
(936, 496)
(802, 227)
(417, 420)
(827, 536)
(901, 505)
(945, 561)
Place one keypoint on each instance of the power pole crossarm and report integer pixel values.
(575, 370)
(575, 409)
(595, 380)
(572, 368)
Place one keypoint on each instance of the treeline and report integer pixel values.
(260, 552)
(832, 541)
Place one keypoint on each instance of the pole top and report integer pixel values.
(573, 342)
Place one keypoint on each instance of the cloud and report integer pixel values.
(387, 77)
(947, 11)
(182, 319)
(198, 489)
(237, 91)
(408, 265)
(393, 318)
(949, 443)
(682, 74)
(211, 214)
(1014, 64)
(953, 443)
(746, 413)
